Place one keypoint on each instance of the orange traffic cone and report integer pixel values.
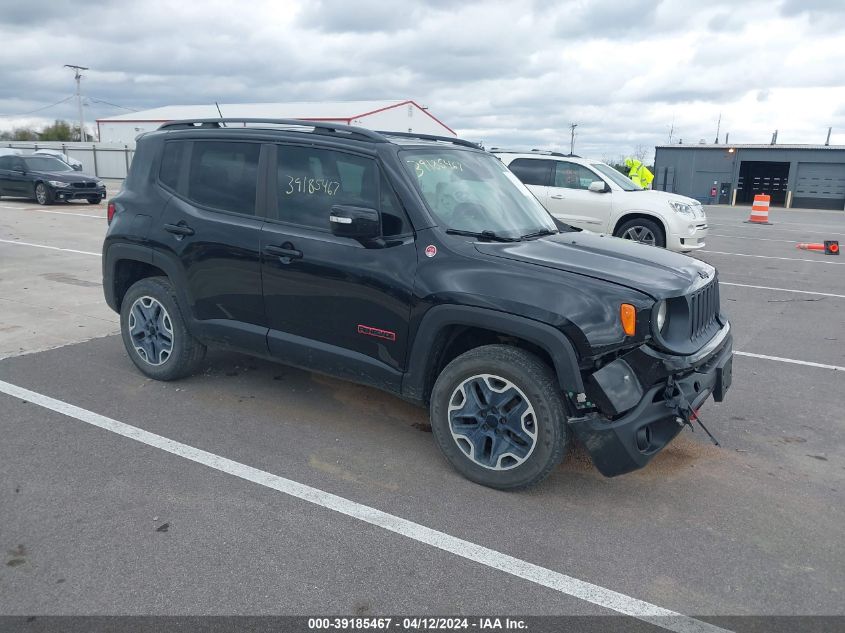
(760, 210)
(829, 247)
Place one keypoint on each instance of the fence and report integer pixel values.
(103, 160)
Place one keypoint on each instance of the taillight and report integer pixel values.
(110, 212)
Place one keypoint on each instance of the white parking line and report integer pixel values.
(80, 215)
(756, 239)
(595, 594)
(52, 248)
(791, 360)
(775, 228)
(803, 292)
(789, 259)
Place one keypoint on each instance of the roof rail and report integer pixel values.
(319, 127)
(544, 152)
(431, 137)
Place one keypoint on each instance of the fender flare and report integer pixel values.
(114, 253)
(553, 341)
(640, 212)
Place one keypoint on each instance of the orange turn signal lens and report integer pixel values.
(628, 317)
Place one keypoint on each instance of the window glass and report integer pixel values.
(311, 180)
(171, 163)
(572, 176)
(224, 175)
(393, 218)
(45, 163)
(532, 171)
(474, 191)
(5, 162)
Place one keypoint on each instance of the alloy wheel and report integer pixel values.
(640, 234)
(492, 422)
(41, 194)
(151, 330)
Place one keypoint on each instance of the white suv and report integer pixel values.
(594, 196)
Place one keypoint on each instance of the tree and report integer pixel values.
(24, 134)
(59, 131)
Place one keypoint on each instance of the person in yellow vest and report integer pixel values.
(639, 173)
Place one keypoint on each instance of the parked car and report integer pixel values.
(421, 266)
(74, 163)
(47, 180)
(591, 195)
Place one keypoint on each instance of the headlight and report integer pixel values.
(683, 208)
(58, 183)
(100, 183)
(661, 316)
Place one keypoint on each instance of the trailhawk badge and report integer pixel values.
(430, 250)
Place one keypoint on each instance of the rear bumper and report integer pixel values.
(645, 398)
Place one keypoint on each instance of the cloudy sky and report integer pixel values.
(511, 73)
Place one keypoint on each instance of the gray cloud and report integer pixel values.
(503, 71)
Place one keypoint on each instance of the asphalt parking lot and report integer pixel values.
(100, 519)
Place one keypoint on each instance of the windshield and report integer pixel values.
(618, 179)
(474, 192)
(45, 163)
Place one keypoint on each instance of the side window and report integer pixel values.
(171, 163)
(311, 180)
(224, 175)
(532, 171)
(572, 176)
(5, 162)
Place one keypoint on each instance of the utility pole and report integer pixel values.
(77, 70)
(572, 137)
(829, 130)
(718, 127)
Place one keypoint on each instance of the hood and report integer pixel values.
(66, 176)
(665, 195)
(654, 271)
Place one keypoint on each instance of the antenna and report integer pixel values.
(219, 112)
(672, 129)
(718, 127)
(774, 138)
(829, 130)
(572, 137)
(77, 70)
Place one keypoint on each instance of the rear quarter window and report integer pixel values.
(532, 171)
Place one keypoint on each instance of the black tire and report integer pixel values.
(43, 194)
(95, 200)
(185, 353)
(631, 226)
(532, 379)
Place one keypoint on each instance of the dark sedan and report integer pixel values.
(47, 180)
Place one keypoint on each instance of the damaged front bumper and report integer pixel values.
(644, 399)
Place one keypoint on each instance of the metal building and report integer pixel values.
(392, 116)
(811, 176)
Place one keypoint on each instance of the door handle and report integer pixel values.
(557, 197)
(284, 254)
(179, 230)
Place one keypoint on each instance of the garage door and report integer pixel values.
(820, 186)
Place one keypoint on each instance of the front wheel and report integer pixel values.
(95, 200)
(154, 332)
(43, 194)
(642, 230)
(497, 415)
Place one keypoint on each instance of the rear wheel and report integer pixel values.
(642, 230)
(43, 194)
(154, 332)
(498, 417)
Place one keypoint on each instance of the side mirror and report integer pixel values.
(77, 167)
(598, 186)
(359, 223)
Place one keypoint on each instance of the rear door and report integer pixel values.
(210, 231)
(571, 200)
(536, 174)
(334, 304)
(5, 174)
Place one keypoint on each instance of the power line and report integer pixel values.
(114, 105)
(39, 109)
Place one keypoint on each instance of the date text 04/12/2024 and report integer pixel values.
(417, 624)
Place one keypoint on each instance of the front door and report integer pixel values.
(211, 232)
(571, 200)
(334, 304)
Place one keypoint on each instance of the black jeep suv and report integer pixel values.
(419, 265)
